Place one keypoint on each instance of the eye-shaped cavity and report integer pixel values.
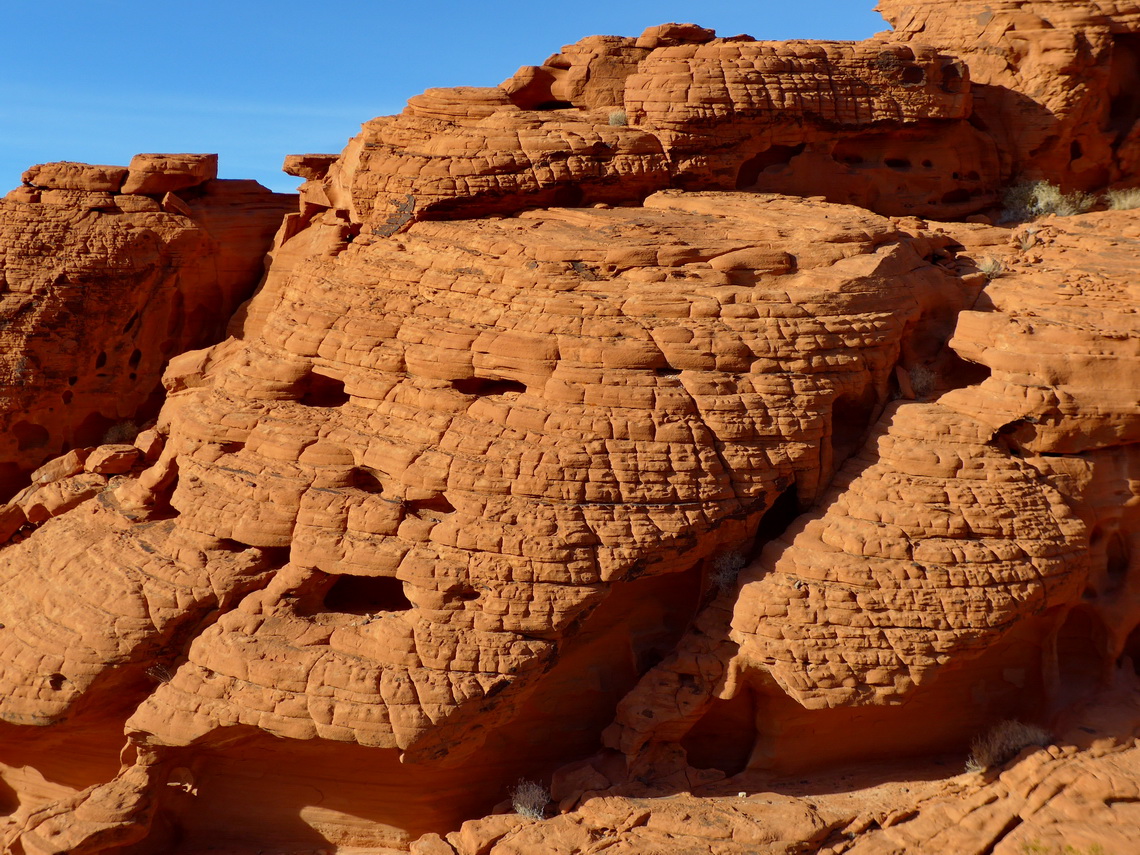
(483, 387)
(321, 390)
(366, 595)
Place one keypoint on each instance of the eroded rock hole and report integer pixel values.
(774, 158)
(365, 595)
(777, 519)
(9, 800)
(899, 163)
(274, 556)
(568, 196)
(1132, 648)
(92, 430)
(136, 358)
(850, 417)
(225, 544)
(955, 197)
(724, 736)
(1124, 70)
(958, 373)
(320, 390)
(466, 594)
(484, 386)
(913, 75)
(1117, 559)
(101, 359)
(667, 371)
(30, 435)
(366, 480)
(435, 507)
(951, 78)
(860, 150)
(1080, 654)
(554, 105)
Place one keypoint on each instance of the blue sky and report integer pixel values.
(255, 80)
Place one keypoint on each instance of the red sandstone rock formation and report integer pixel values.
(107, 273)
(716, 491)
(1053, 81)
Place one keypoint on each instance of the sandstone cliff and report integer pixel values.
(670, 425)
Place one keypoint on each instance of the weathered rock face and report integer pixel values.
(878, 124)
(619, 395)
(1053, 82)
(951, 551)
(734, 484)
(106, 273)
(1061, 338)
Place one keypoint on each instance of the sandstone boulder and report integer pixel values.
(155, 174)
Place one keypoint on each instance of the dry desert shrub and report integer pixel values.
(726, 568)
(530, 799)
(619, 119)
(1032, 199)
(121, 432)
(1002, 742)
(1123, 200)
(923, 380)
(991, 267)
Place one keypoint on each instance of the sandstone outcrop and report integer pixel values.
(106, 273)
(1053, 81)
(621, 428)
(611, 120)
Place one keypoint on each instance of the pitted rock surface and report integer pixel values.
(556, 445)
(102, 287)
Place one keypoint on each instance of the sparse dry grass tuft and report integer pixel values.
(121, 433)
(1036, 847)
(618, 118)
(923, 380)
(1002, 742)
(992, 267)
(1123, 200)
